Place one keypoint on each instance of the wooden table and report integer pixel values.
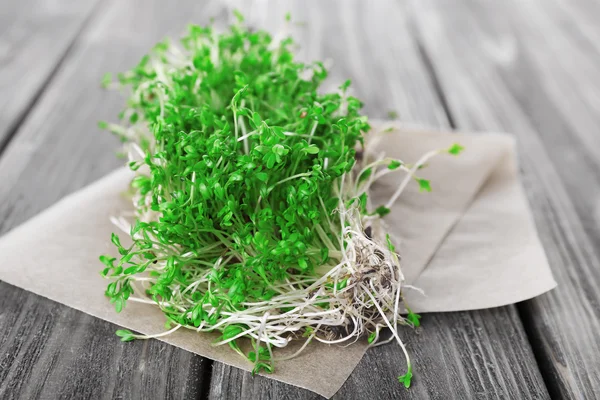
(530, 67)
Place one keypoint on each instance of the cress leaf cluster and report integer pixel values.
(250, 214)
(242, 159)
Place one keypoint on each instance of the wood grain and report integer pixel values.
(531, 68)
(48, 350)
(482, 354)
(34, 37)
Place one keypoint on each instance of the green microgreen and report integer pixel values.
(250, 218)
(455, 149)
(394, 164)
(125, 335)
(424, 185)
(406, 378)
(107, 80)
(372, 337)
(382, 211)
(414, 318)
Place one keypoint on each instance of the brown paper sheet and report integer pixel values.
(469, 244)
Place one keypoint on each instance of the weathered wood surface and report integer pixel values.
(34, 38)
(531, 68)
(525, 67)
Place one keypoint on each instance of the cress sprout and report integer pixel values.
(251, 204)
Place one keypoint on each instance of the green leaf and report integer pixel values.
(115, 240)
(324, 254)
(111, 289)
(262, 176)
(235, 177)
(279, 150)
(231, 331)
(365, 175)
(363, 202)
(261, 366)
(190, 149)
(392, 114)
(238, 15)
(312, 149)
(382, 211)
(107, 260)
(270, 160)
(455, 149)
(424, 185)
(119, 303)
(131, 270)
(389, 243)
(394, 164)
(413, 318)
(406, 378)
(342, 284)
(302, 264)
(235, 100)
(125, 335)
(106, 80)
(372, 337)
(256, 119)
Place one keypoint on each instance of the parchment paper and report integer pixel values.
(469, 244)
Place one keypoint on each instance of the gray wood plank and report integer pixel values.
(483, 354)
(531, 68)
(48, 350)
(34, 37)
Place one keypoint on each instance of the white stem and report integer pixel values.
(410, 175)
